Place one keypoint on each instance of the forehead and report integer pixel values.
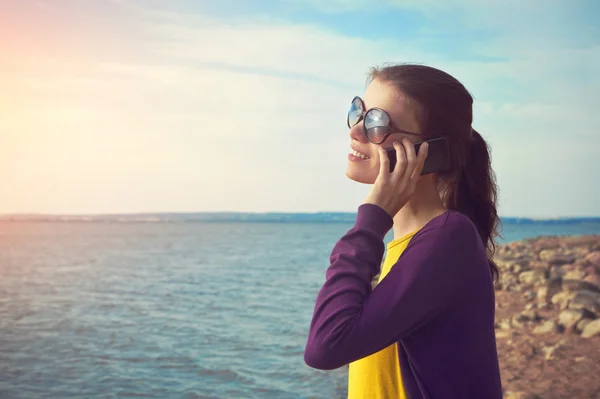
(385, 96)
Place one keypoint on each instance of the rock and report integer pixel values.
(560, 260)
(520, 395)
(528, 295)
(533, 265)
(543, 296)
(590, 241)
(517, 321)
(558, 284)
(546, 254)
(579, 285)
(545, 293)
(588, 301)
(502, 334)
(503, 264)
(549, 351)
(517, 246)
(574, 275)
(529, 315)
(562, 299)
(592, 329)
(509, 262)
(581, 325)
(593, 279)
(545, 243)
(556, 259)
(556, 272)
(570, 317)
(532, 277)
(549, 326)
(566, 268)
(529, 350)
(593, 258)
(519, 265)
(504, 324)
(498, 285)
(506, 281)
(516, 269)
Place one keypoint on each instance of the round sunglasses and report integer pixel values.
(377, 124)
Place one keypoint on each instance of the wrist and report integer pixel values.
(385, 207)
(373, 217)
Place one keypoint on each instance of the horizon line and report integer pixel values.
(159, 213)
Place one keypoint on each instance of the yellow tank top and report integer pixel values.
(378, 376)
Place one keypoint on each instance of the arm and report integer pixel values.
(352, 321)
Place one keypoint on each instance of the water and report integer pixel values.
(188, 310)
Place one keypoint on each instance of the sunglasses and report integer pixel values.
(377, 124)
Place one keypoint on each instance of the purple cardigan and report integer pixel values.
(437, 303)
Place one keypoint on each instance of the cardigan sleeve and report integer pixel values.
(351, 320)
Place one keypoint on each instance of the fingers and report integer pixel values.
(411, 158)
(408, 163)
(400, 167)
(423, 151)
(384, 162)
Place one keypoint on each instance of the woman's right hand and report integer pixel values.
(392, 190)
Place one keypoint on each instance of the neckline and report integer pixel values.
(407, 236)
(402, 239)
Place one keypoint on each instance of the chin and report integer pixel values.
(360, 176)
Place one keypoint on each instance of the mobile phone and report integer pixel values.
(438, 156)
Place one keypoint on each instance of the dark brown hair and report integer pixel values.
(444, 107)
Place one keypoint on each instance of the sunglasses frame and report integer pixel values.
(391, 127)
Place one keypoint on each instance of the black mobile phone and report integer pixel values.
(438, 156)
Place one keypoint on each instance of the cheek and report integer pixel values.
(389, 142)
(374, 162)
(372, 167)
(375, 156)
(374, 151)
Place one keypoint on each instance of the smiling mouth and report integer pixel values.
(359, 155)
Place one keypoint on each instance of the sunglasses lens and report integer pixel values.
(377, 125)
(355, 112)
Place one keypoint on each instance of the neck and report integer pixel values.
(422, 207)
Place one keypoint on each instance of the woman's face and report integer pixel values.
(364, 168)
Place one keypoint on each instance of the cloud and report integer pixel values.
(298, 51)
(190, 112)
(193, 136)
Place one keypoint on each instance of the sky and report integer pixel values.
(126, 106)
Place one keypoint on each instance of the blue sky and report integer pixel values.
(135, 106)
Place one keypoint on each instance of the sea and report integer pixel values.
(170, 310)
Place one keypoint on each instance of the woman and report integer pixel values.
(427, 329)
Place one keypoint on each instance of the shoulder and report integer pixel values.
(444, 257)
(452, 224)
(450, 233)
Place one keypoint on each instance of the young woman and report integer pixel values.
(427, 329)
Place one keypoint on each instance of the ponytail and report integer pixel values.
(443, 106)
(474, 194)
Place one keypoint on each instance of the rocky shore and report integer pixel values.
(548, 317)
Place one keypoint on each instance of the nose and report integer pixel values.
(357, 133)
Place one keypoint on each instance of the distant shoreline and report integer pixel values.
(231, 217)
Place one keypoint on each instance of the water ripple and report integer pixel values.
(167, 311)
(154, 311)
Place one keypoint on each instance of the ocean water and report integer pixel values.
(181, 310)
